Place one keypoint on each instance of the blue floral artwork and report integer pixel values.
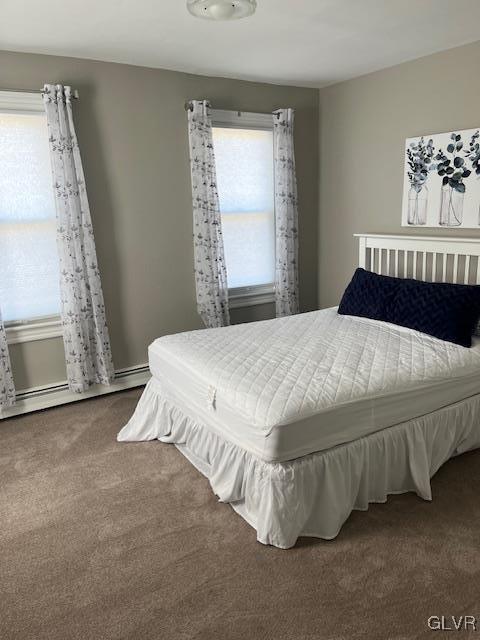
(442, 180)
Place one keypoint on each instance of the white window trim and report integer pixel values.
(239, 119)
(251, 296)
(21, 101)
(35, 329)
(261, 293)
(32, 329)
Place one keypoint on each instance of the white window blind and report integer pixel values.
(29, 281)
(244, 164)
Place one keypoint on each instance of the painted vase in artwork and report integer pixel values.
(451, 206)
(417, 205)
(419, 163)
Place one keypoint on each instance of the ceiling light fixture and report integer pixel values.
(221, 9)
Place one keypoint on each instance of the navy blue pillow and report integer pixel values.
(368, 295)
(446, 311)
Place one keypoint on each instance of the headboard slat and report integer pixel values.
(466, 275)
(444, 267)
(455, 267)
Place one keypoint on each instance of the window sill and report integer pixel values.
(251, 296)
(31, 331)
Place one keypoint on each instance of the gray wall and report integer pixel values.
(363, 127)
(133, 137)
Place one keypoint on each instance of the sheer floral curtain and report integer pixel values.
(210, 269)
(85, 332)
(7, 388)
(286, 214)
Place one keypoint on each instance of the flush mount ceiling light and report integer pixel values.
(221, 9)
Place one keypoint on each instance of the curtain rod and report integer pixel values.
(75, 94)
(189, 107)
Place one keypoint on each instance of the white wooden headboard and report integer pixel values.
(435, 259)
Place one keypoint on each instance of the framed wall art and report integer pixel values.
(442, 180)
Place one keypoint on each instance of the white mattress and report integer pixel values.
(284, 388)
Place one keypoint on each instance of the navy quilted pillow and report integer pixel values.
(446, 311)
(368, 295)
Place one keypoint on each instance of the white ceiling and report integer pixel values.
(298, 42)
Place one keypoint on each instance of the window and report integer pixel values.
(243, 146)
(29, 286)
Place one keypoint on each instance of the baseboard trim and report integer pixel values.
(54, 395)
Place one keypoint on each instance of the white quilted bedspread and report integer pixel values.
(276, 371)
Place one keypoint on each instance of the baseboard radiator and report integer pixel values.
(54, 395)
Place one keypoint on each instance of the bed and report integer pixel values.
(297, 421)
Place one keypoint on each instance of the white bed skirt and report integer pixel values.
(313, 495)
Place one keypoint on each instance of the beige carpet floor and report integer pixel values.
(100, 540)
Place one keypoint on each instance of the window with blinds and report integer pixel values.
(244, 165)
(29, 282)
